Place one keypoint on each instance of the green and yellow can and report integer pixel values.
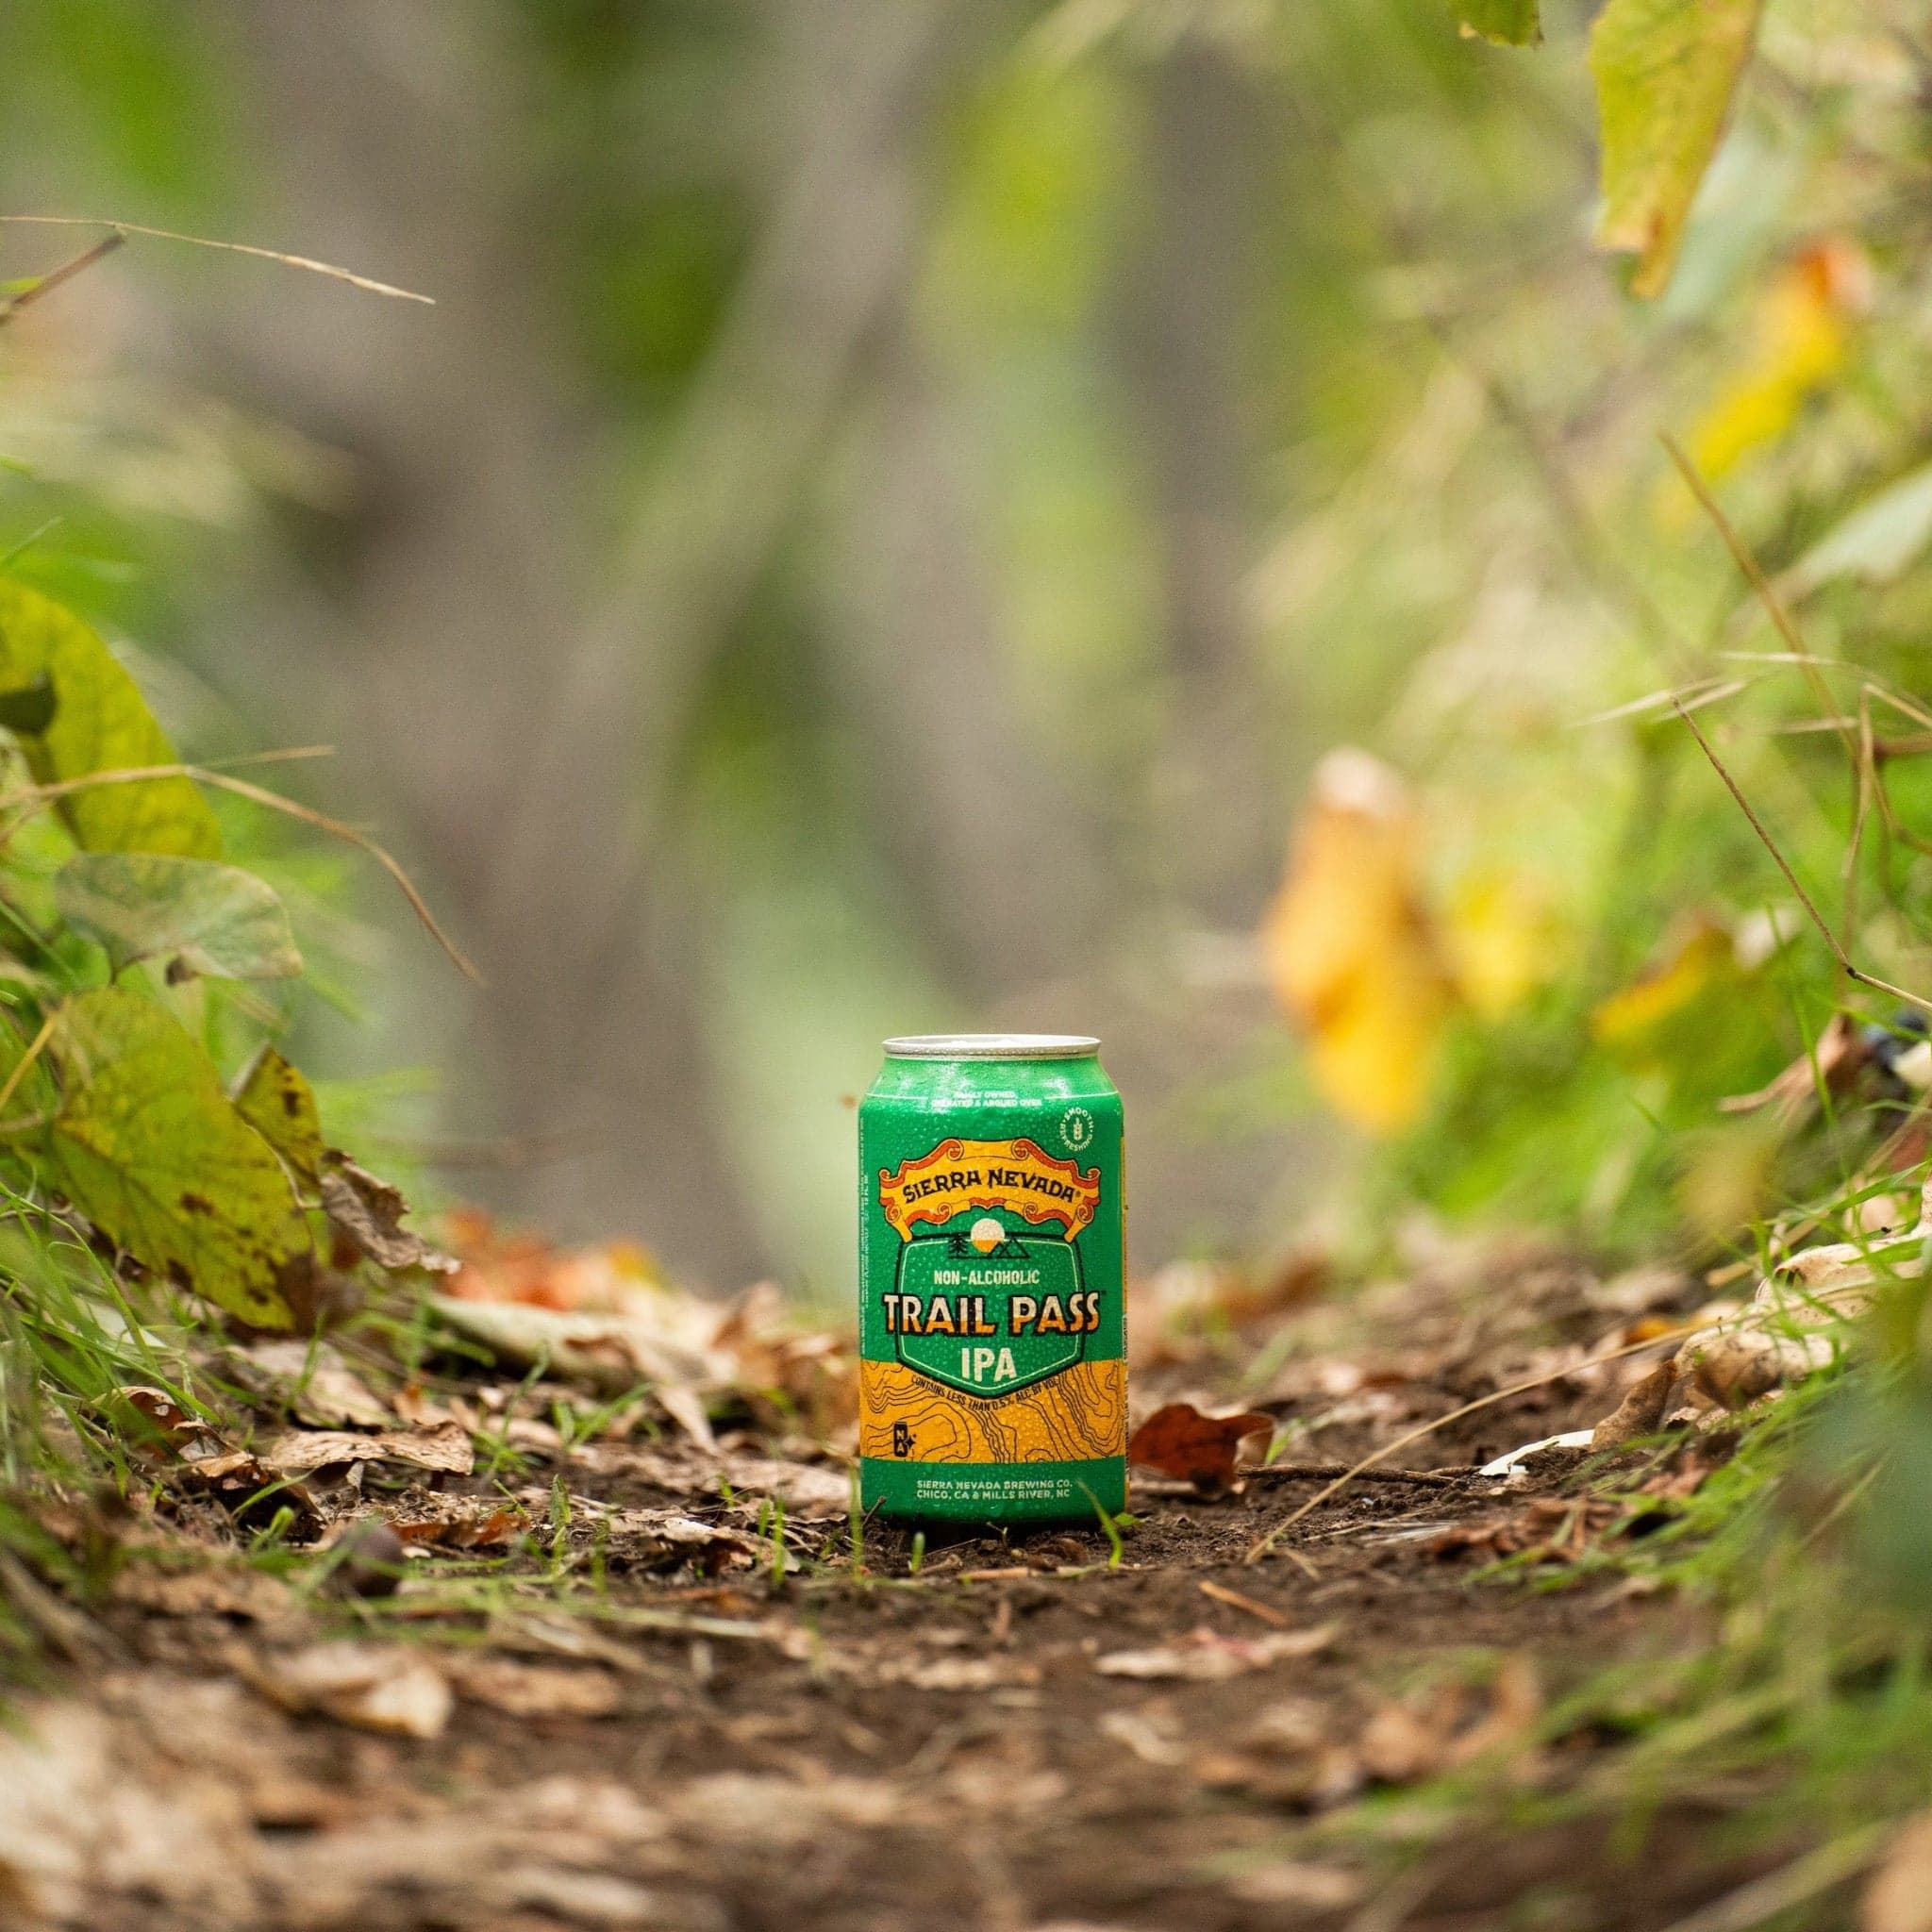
(992, 1242)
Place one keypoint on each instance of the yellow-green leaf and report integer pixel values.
(277, 1101)
(1665, 74)
(1511, 23)
(98, 721)
(212, 919)
(151, 1150)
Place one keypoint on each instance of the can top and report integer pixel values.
(992, 1046)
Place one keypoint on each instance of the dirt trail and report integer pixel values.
(634, 1720)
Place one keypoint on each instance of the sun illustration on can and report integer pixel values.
(986, 1234)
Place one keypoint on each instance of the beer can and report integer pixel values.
(992, 1237)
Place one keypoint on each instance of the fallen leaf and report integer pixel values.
(175, 1427)
(1831, 1065)
(1206, 1655)
(249, 1490)
(370, 1211)
(967, 1674)
(387, 1687)
(447, 1449)
(611, 1352)
(1640, 1414)
(1350, 950)
(1665, 72)
(534, 1691)
(211, 1588)
(469, 1526)
(662, 1539)
(1178, 1441)
(320, 1387)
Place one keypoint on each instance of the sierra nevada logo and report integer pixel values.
(1018, 1175)
(989, 1308)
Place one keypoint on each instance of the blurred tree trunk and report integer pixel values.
(530, 727)
(1214, 801)
(961, 783)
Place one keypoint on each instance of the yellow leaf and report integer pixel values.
(1800, 337)
(1703, 955)
(1349, 948)
(1665, 73)
(1501, 940)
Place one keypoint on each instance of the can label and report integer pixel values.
(992, 1380)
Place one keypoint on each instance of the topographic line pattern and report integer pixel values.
(1078, 1414)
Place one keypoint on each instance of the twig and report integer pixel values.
(1743, 557)
(54, 278)
(1235, 1600)
(1359, 1472)
(1324, 1471)
(302, 261)
(36, 795)
(1817, 917)
(10, 1084)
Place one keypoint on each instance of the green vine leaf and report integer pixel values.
(97, 721)
(1665, 74)
(278, 1103)
(1511, 23)
(206, 918)
(151, 1150)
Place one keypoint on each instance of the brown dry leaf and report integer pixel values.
(967, 1674)
(209, 1589)
(1640, 1414)
(1206, 1655)
(662, 1540)
(1350, 949)
(1178, 1441)
(1899, 1898)
(369, 1213)
(176, 1429)
(320, 1387)
(244, 1485)
(1451, 1725)
(469, 1526)
(1832, 1063)
(446, 1448)
(534, 1691)
(613, 1352)
(374, 1687)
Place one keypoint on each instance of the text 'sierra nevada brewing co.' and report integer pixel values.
(992, 1378)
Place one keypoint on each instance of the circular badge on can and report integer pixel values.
(1076, 1129)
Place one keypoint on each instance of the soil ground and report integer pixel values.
(1021, 1734)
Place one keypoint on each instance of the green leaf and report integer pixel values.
(277, 1101)
(99, 721)
(29, 710)
(1511, 23)
(1879, 541)
(1665, 74)
(151, 1150)
(213, 918)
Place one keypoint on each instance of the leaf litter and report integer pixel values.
(521, 1576)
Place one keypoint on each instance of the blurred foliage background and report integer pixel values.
(892, 513)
